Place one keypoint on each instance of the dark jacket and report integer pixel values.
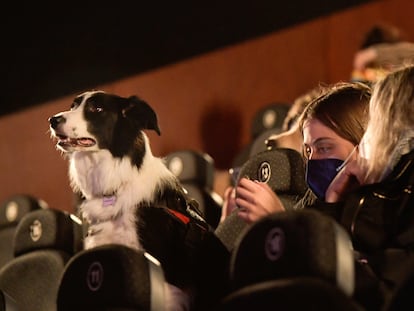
(380, 220)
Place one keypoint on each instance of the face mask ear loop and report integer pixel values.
(340, 167)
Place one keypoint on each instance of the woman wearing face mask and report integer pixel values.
(331, 126)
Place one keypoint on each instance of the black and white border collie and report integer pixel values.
(111, 165)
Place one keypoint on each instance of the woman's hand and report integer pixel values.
(349, 178)
(256, 200)
(229, 202)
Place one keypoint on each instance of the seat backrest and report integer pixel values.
(44, 241)
(192, 166)
(208, 201)
(11, 212)
(267, 121)
(112, 277)
(292, 260)
(195, 171)
(229, 230)
(283, 170)
(294, 244)
(259, 144)
(7, 303)
(294, 294)
(268, 117)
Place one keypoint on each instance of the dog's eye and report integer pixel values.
(93, 108)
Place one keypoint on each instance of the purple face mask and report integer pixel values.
(320, 173)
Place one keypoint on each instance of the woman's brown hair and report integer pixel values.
(342, 107)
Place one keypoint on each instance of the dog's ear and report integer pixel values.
(142, 113)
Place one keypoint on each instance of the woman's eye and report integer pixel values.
(323, 149)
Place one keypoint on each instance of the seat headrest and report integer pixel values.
(294, 244)
(282, 169)
(191, 166)
(109, 277)
(16, 206)
(269, 117)
(259, 144)
(46, 229)
(208, 201)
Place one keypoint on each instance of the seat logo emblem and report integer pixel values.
(95, 276)
(264, 172)
(36, 230)
(275, 244)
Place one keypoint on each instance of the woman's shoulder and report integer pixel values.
(311, 201)
(378, 213)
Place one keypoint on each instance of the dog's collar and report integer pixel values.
(107, 200)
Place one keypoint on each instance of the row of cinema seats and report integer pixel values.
(43, 241)
(49, 271)
(12, 211)
(297, 260)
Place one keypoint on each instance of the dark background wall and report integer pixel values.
(205, 100)
(51, 51)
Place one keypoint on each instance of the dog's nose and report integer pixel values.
(55, 120)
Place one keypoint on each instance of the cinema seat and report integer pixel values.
(44, 241)
(195, 170)
(294, 260)
(283, 170)
(12, 210)
(268, 117)
(267, 121)
(7, 303)
(112, 277)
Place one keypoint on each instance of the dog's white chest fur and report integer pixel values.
(113, 190)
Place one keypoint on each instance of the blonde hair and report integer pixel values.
(391, 115)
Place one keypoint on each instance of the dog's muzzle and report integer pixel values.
(65, 142)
